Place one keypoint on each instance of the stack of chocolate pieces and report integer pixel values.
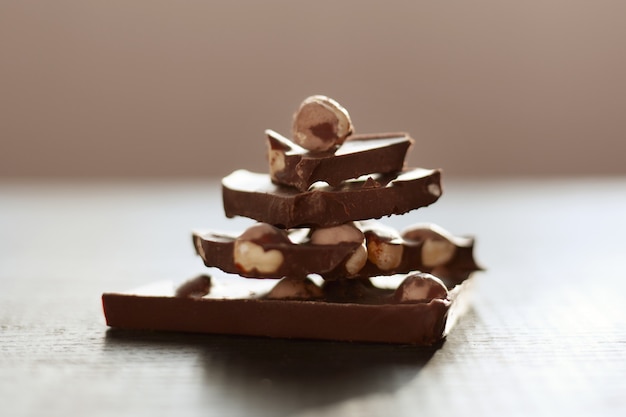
(328, 269)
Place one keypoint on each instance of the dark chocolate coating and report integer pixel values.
(359, 155)
(255, 196)
(411, 323)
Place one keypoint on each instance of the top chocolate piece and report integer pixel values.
(255, 196)
(361, 154)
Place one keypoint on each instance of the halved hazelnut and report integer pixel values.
(249, 252)
(420, 287)
(347, 232)
(277, 147)
(438, 246)
(384, 246)
(384, 255)
(276, 161)
(321, 124)
(357, 261)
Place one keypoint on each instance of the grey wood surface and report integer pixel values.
(546, 335)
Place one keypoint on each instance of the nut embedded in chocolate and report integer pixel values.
(438, 246)
(248, 252)
(384, 247)
(420, 287)
(300, 256)
(295, 289)
(347, 232)
(321, 124)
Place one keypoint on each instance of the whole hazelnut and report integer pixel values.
(321, 124)
(295, 288)
(420, 287)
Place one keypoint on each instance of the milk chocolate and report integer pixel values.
(157, 308)
(255, 196)
(295, 166)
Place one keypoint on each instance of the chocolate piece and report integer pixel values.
(359, 155)
(254, 195)
(387, 322)
(300, 259)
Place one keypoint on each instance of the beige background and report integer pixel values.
(185, 88)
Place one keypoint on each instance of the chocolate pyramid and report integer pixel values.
(330, 269)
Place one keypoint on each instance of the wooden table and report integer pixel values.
(546, 336)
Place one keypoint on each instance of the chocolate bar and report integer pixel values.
(298, 167)
(254, 195)
(380, 319)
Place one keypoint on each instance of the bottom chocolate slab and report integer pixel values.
(186, 308)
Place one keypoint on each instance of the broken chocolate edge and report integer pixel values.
(328, 207)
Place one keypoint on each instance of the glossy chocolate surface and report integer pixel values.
(157, 308)
(255, 196)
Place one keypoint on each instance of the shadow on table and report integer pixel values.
(281, 376)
